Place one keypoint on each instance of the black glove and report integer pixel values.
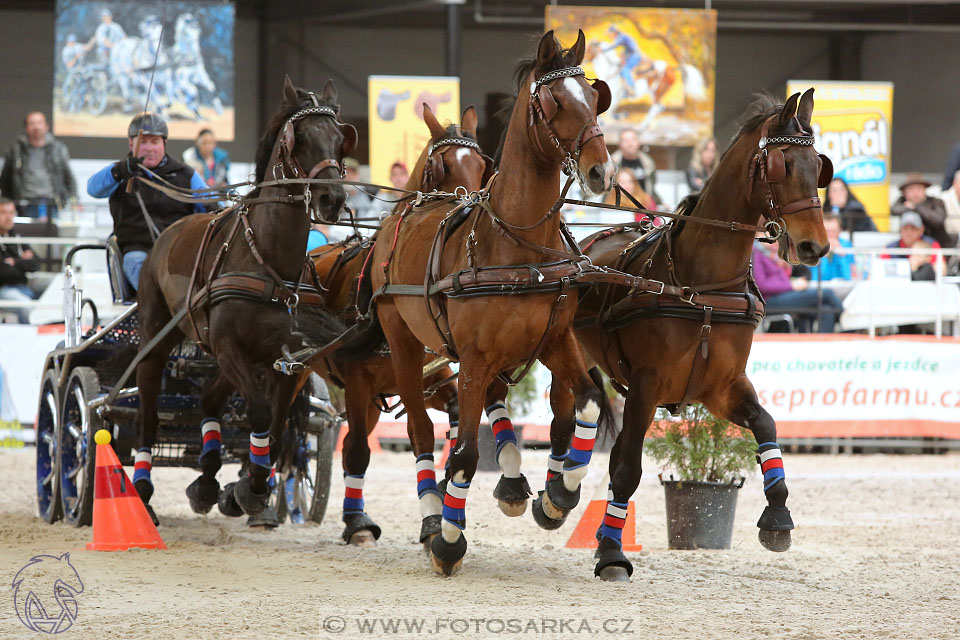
(126, 168)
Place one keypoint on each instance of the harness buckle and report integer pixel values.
(662, 285)
(689, 300)
(293, 301)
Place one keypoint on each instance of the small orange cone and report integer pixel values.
(120, 521)
(444, 454)
(585, 535)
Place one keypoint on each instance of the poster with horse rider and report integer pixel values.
(660, 65)
(110, 55)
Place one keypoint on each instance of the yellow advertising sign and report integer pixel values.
(659, 63)
(851, 123)
(397, 131)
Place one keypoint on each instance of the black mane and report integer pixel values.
(265, 146)
(520, 73)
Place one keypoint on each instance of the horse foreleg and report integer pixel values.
(741, 406)
(513, 489)
(359, 530)
(204, 492)
(562, 492)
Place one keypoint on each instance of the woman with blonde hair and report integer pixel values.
(702, 164)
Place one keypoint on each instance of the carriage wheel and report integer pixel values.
(77, 456)
(72, 97)
(305, 491)
(48, 418)
(97, 93)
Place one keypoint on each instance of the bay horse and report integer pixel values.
(497, 250)
(452, 159)
(685, 336)
(249, 298)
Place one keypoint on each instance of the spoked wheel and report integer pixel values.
(305, 489)
(48, 418)
(77, 456)
(97, 94)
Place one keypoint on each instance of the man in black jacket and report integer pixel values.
(141, 215)
(16, 260)
(36, 172)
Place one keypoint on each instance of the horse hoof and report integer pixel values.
(778, 541)
(430, 529)
(266, 520)
(355, 523)
(250, 501)
(363, 539)
(446, 558)
(203, 494)
(153, 515)
(614, 573)
(228, 504)
(546, 515)
(512, 494)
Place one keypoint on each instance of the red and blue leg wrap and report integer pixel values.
(353, 493)
(502, 427)
(260, 449)
(454, 503)
(142, 464)
(771, 464)
(613, 521)
(581, 449)
(555, 466)
(210, 427)
(426, 476)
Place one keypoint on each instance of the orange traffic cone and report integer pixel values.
(585, 535)
(120, 521)
(372, 440)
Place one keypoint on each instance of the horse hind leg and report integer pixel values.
(360, 530)
(513, 489)
(742, 407)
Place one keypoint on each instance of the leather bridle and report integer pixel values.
(433, 171)
(285, 155)
(544, 106)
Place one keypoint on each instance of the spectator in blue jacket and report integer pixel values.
(834, 266)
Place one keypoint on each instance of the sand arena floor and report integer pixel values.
(874, 556)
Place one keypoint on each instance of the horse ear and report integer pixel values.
(547, 50)
(579, 49)
(290, 95)
(789, 111)
(468, 121)
(329, 92)
(436, 130)
(349, 138)
(805, 110)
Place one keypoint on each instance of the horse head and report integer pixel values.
(453, 158)
(563, 113)
(786, 172)
(311, 143)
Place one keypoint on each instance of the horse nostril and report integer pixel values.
(596, 174)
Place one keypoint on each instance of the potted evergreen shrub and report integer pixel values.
(710, 456)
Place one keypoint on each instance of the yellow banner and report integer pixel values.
(397, 131)
(851, 123)
(659, 63)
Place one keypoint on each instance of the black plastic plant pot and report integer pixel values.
(700, 514)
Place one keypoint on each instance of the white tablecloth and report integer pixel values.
(898, 302)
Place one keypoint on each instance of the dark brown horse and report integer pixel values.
(450, 160)
(245, 293)
(505, 238)
(687, 338)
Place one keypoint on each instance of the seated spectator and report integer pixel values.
(794, 296)
(702, 164)
(629, 184)
(16, 260)
(210, 161)
(911, 235)
(951, 202)
(834, 266)
(840, 201)
(629, 155)
(399, 176)
(358, 199)
(914, 198)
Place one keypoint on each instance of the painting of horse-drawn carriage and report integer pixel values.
(110, 55)
(659, 63)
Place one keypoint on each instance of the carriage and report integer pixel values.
(75, 401)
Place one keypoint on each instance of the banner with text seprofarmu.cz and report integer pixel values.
(855, 386)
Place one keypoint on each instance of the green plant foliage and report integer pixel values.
(520, 397)
(701, 447)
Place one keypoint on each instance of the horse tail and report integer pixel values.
(607, 424)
